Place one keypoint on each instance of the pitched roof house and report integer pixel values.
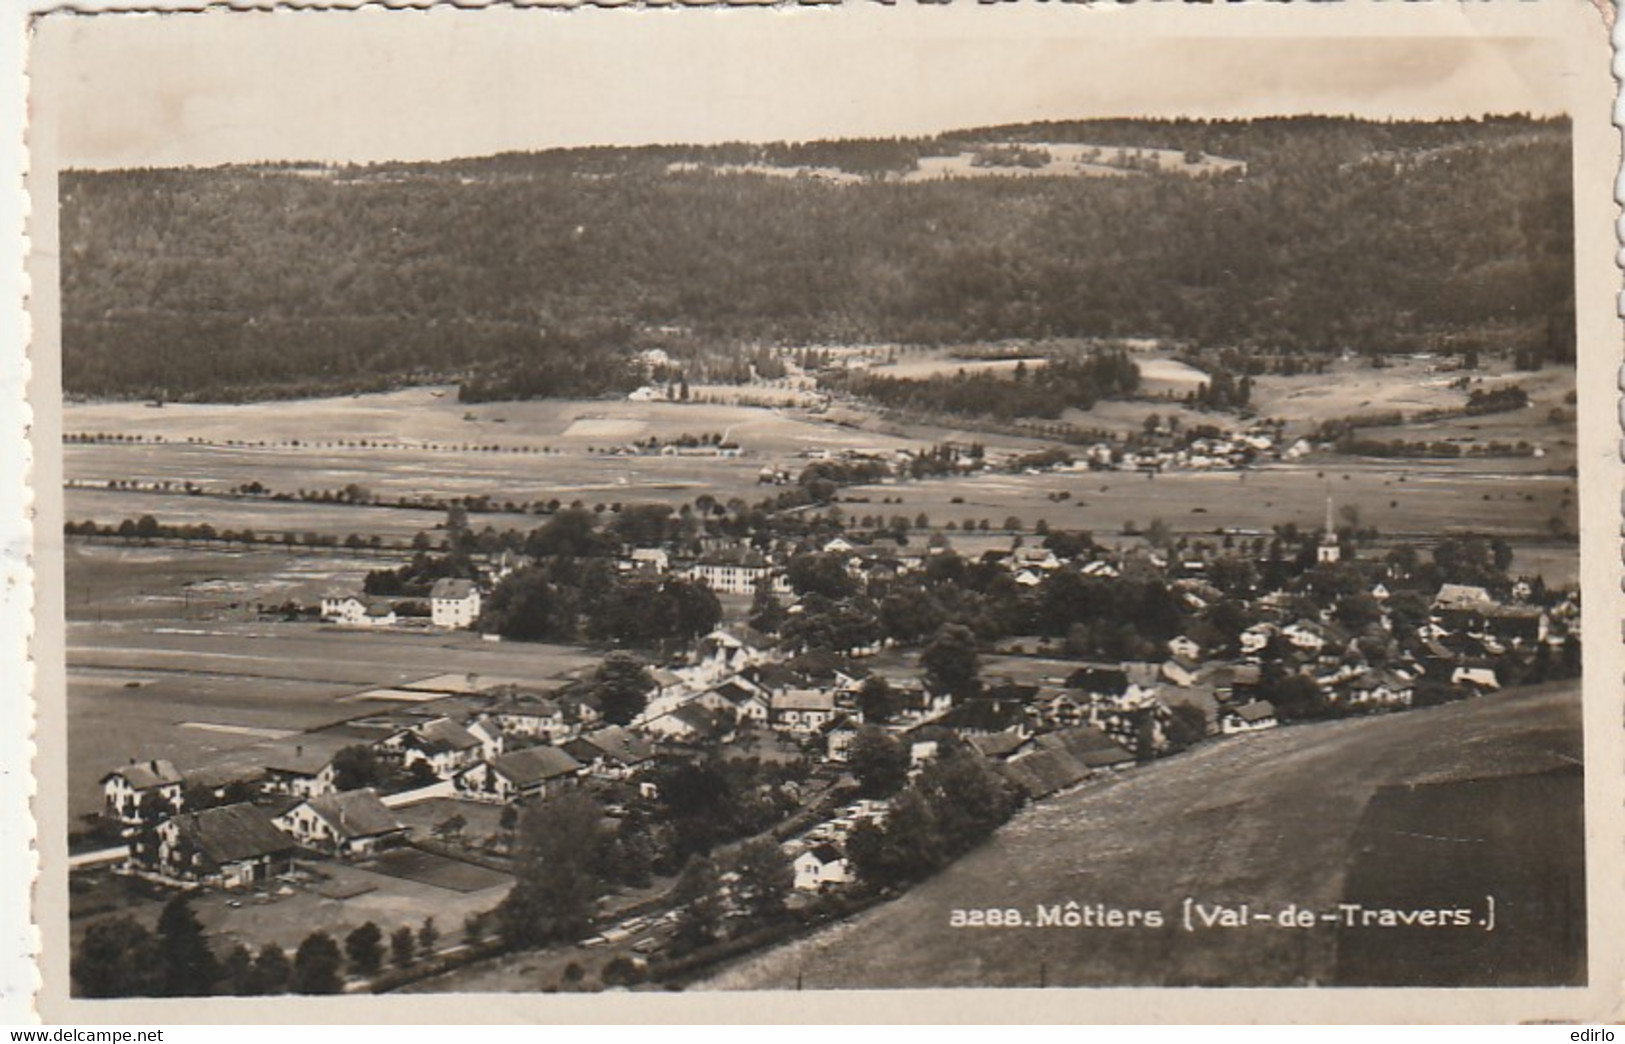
(444, 745)
(304, 768)
(802, 710)
(611, 752)
(232, 846)
(135, 792)
(353, 822)
(820, 867)
(454, 602)
(532, 772)
(1249, 717)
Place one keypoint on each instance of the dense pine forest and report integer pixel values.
(541, 273)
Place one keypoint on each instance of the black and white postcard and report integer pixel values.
(826, 513)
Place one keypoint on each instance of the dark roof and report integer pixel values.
(142, 775)
(1257, 710)
(535, 764)
(612, 742)
(773, 676)
(448, 587)
(231, 833)
(1042, 772)
(307, 753)
(1090, 746)
(826, 853)
(698, 718)
(445, 734)
(355, 813)
(998, 744)
(735, 691)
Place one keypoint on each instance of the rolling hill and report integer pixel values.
(541, 273)
(1426, 809)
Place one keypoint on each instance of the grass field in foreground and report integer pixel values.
(1272, 819)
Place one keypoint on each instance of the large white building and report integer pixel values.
(736, 571)
(454, 603)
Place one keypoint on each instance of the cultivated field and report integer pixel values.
(1423, 499)
(1284, 817)
(110, 581)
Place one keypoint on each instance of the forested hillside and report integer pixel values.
(540, 273)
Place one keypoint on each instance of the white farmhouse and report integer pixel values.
(140, 788)
(821, 867)
(454, 603)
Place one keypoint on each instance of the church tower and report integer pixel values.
(1330, 550)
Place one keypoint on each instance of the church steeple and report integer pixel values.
(1329, 550)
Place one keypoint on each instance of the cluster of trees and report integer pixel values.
(568, 856)
(1010, 156)
(415, 578)
(1222, 391)
(1496, 400)
(563, 598)
(954, 805)
(707, 804)
(1068, 383)
(251, 281)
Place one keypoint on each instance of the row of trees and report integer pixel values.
(121, 957)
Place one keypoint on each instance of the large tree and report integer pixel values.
(364, 947)
(556, 878)
(317, 966)
(190, 968)
(621, 685)
(118, 958)
(765, 879)
(697, 895)
(879, 761)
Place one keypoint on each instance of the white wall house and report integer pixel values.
(351, 823)
(821, 867)
(454, 603)
(127, 790)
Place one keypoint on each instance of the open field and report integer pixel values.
(267, 517)
(416, 418)
(1411, 839)
(1272, 819)
(111, 582)
(429, 868)
(1351, 388)
(1505, 497)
